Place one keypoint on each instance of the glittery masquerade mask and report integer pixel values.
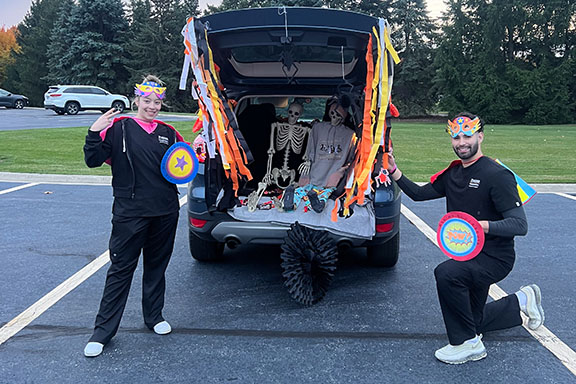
(149, 87)
(463, 124)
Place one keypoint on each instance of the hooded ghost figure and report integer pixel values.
(328, 148)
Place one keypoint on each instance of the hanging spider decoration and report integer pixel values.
(308, 261)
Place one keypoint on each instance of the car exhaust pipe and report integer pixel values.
(344, 245)
(232, 242)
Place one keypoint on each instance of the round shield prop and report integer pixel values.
(460, 236)
(179, 164)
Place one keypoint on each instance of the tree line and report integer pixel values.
(510, 61)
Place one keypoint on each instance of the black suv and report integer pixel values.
(268, 57)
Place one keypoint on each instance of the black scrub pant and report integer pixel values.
(463, 290)
(154, 237)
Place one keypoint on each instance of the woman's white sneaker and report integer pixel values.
(93, 349)
(162, 328)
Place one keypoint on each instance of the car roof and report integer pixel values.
(74, 85)
(298, 50)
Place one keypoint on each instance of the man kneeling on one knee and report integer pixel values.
(481, 187)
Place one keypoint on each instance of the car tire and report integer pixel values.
(72, 108)
(19, 104)
(60, 111)
(203, 250)
(119, 106)
(384, 255)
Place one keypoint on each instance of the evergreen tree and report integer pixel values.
(97, 52)
(60, 57)
(26, 73)
(155, 35)
(413, 37)
(509, 60)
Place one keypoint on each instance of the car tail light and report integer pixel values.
(55, 95)
(387, 227)
(197, 222)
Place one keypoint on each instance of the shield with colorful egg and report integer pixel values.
(460, 236)
(179, 164)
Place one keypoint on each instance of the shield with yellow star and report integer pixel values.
(179, 164)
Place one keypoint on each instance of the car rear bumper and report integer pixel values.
(221, 227)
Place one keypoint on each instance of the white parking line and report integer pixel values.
(38, 308)
(548, 339)
(566, 195)
(17, 188)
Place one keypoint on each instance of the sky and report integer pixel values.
(13, 11)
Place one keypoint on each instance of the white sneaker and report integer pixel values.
(162, 328)
(534, 309)
(93, 349)
(459, 354)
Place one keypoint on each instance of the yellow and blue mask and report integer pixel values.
(149, 87)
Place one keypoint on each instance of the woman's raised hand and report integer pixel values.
(105, 120)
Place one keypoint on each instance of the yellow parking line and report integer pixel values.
(38, 308)
(17, 188)
(548, 339)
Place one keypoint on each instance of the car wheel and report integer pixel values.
(119, 106)
(19, 104)
(384, 255)
(72, 108)
(203, 250)
(60, 111)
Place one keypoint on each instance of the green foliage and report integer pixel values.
(509, 61)
(155, 34)
(97, 50)
(413, 37)
(25, 75)
(60, 59)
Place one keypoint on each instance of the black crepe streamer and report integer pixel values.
(309, 260)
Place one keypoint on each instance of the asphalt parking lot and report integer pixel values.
(235, 322)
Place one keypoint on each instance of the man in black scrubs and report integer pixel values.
(479, 186)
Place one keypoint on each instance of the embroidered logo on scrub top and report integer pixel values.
(474, 183)
(163, 140)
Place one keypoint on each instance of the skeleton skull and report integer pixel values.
(337, 114)
(294, 112)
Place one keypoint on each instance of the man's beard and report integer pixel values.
(471, 153)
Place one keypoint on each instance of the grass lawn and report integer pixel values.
(539, 154)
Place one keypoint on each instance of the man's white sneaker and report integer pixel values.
(93, 349)
(459, 354)
(162, 328)
(534, 309)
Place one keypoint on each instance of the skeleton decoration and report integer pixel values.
(335, 117)
(289, 137)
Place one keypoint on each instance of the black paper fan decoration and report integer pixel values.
(309, 260)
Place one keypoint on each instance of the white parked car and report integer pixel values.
(72, 99)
